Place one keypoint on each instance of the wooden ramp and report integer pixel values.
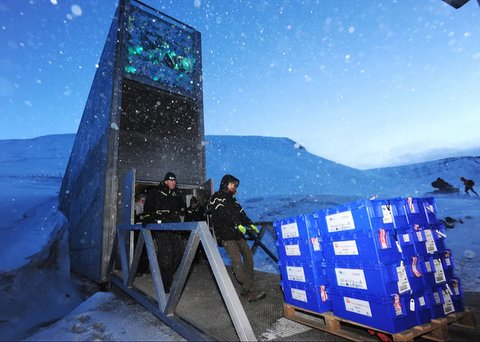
(436, 330)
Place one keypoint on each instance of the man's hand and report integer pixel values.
(254, 228)
(242, 229)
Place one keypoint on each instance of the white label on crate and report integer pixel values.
(295, 273)
(340, 221)
(406, 237)
(387, 214)
(300, 295)
(350, 277)
(448, 262)
(358, 306)
(292, 250)
(403, 283)
(430, 208)
(428, 267)
(290, 230)
(448, 305)
(456, 288)
(399, 247)
(439, 274)
(419, 236)
(315, 244)
(345, 247)
(430, 243)
(436, 297)
(421, 301)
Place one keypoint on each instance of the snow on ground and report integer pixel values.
(105, 317)
(35, 283)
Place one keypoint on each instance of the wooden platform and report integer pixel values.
(436, 330)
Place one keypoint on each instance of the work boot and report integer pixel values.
(255, 295)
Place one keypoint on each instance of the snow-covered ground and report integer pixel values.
(278, 179)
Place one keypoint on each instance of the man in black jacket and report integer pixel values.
(231, 223)
(164, 205)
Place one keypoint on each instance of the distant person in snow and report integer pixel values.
(230, 223)
(442, 185)
(468, 185)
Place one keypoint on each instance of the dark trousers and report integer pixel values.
(169, 254)
(236, 250)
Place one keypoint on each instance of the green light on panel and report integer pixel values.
(135, 50)
(130, 69)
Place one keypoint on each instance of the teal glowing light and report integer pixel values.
(135, 50)
(130, 69)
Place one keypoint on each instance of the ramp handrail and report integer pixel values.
(166, 306)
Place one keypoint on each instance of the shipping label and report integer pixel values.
(300, 295)
(315, 244)
(290, 230)
(340, 221)
(349, 277)
(295, 273)
(439, 273)
(358, 306)
(403, 283)
(419, 235)
(387, 214)
(448, 305)
(430, 241)
(348, 247)
(292, 250)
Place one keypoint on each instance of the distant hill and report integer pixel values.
(266, 166)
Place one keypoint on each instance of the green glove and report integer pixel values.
(254, 228)
(242, 229)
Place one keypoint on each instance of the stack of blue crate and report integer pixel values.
(441, 287)
(367, 274)
(383, 263)
(301, 263)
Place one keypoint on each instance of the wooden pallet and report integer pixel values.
(436, 330)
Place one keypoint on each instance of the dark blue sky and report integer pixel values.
(357, 82)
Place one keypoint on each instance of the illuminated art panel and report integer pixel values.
(161, 51)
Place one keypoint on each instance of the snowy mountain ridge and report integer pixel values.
(252, 159)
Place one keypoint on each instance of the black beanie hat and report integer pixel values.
(170, 176)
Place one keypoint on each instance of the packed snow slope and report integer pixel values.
(279, 179)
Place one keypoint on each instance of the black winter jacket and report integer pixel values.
(227, 213)
(163, 204)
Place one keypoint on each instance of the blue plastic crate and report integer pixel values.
(359, 215)
(369, 277)
(298, 227)
(425, 241)
(404, 237)
(447, 263)
(456, 294)
(311, 297)
(415, 269)
(302, 273)
(300, 250)
(433, 273)
(418, 305)
(361, 245)
(440, 236)
(421, 211)
(440, 301)
(387, 313)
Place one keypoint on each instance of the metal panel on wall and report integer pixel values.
(160, 132)
(82, 195)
